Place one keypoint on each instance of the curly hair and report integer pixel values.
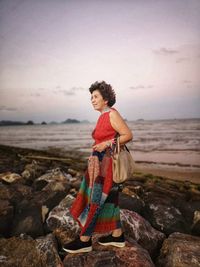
(105, 90)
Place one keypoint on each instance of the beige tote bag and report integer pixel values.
(123, 163)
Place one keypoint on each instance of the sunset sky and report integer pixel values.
(51, 51)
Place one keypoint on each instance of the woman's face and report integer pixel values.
(97, 101)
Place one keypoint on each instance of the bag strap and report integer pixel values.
(118, 147)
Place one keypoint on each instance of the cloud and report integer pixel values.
(35, 94)
(139, 87)
(187, 82)
(68, 92)
(4, 108)
(165, 51)
(63, 91)
(78, 89)
(182, 59)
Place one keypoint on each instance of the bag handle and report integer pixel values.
(118, 147)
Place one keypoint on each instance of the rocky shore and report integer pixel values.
(160, 217)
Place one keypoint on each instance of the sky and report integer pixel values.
(52, 51)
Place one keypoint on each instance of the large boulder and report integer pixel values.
(163, 215)
(14, 192)
(180, 250)
(41, 252)
(133, 202)
(132, 255)
(28, 219)
(30, 214)
(60, 217)
(188, 208)
(10, 197)
(53, 175)
(48, 198)
(137, 228)
(6, 217)
(33, 170)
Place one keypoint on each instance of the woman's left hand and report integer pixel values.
(100, 147)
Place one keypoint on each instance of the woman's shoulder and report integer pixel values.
(114, 112)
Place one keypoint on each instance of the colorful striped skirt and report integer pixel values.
(96, 206)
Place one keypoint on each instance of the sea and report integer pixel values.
(173, 142)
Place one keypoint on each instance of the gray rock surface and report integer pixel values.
(6, 217)
(133, 203)
(132, 255)
(139, 229)
(61, 217)
(16, 251)
(163, 215)
(180, 250)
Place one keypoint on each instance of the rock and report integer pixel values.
(61, 217)
(6, 217)
(53, 180)
(47, 246)
(7, 192)
(45, 211)
(63, 236)
(72, 172)
(187, 208)
(133, 188)
(21, 252)
(23, 190)
(180, 250)
(53, 175)
(32, 171)
(76, 184)
(10, 178)
(163, 215)
(28, 219)
(133, 203)
(57, 186)
(48, 198)
(69, 177)
(196, 223)
(17, 252)
(14, 192)
(132, 255)
(137, 228)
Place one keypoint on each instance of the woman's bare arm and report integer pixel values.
(121, 127)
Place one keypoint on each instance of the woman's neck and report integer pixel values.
(105, 109)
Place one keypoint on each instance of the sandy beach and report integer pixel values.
(170, 172)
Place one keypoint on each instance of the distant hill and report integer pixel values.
(85, 121)
(71, 121)
(7, 123)
(30, 122)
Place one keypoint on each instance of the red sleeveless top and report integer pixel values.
(103, 130)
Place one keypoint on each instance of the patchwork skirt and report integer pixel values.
(96, 206)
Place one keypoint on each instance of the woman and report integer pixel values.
(96, 205)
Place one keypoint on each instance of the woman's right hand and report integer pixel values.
(100, 147)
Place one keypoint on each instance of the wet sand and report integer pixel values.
(174, 173)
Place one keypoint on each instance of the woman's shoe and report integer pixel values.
(78, 246)
(112, 241)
